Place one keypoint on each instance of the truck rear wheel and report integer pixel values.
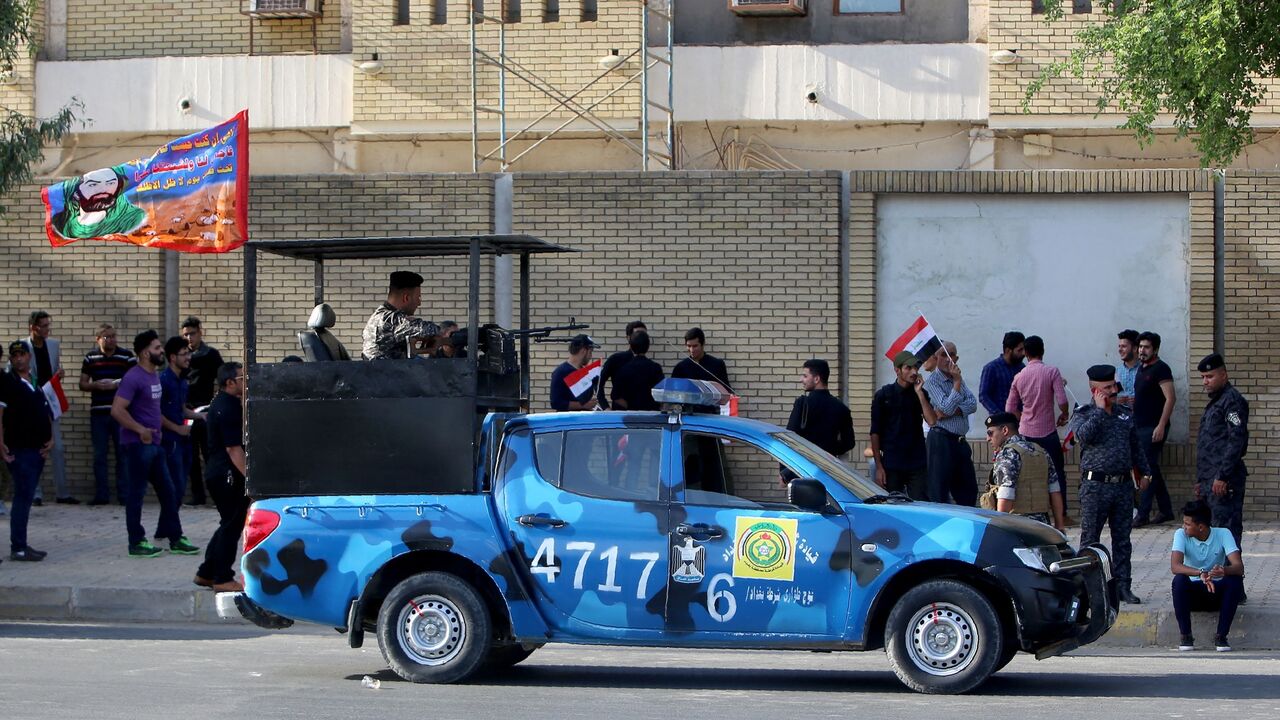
(434, 628)
(943, 637)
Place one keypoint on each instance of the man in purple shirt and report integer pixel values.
(1035, 391)
(136, 408)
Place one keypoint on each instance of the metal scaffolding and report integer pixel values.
(656, 146)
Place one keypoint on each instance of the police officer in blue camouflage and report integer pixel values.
(1221, 445)
(1109, 451)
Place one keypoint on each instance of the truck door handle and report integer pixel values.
(540, 521)
(699, 529)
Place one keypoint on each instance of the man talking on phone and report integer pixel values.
(1109, 450)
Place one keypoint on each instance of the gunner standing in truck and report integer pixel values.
(392, 330)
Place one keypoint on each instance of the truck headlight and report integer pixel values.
(1038, 558)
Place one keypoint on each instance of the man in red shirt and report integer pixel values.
(1035, 393)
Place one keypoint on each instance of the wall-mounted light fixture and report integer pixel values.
(610, 61)
(1005, 57)
(372, 66)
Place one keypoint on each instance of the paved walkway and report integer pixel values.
(89, 576)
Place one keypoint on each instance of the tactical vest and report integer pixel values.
(1033, 482)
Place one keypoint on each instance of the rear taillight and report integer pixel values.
(260, 524)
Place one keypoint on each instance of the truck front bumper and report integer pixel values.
(1073, 604)
(234, 605)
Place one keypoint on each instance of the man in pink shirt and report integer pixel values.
(1032, 397)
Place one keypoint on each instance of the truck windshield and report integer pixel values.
(841, 473)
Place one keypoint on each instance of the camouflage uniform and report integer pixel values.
(1109, 449)
(389, 332)
(1220, 449)
(1006, 472)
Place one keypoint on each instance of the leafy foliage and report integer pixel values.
(22, 137)
(1200, 61)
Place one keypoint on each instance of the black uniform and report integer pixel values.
(1109, 450)
(1220, 449)
(708, 368)
(226, 486)
(201, 378)
(820, 418)
(607, 371)
(633, 384)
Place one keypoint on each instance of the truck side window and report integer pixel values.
(547, 448)
(733, 473)
(620, 464)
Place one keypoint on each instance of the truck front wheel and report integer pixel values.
(943, 637)
(434, 628)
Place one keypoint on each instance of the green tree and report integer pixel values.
(22, 137)
(1199, 61)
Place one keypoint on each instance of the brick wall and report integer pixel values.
(752, 258)
(427, 66)
(1039, 43)
(125, 29)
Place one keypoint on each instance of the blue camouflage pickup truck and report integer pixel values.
(669, 529)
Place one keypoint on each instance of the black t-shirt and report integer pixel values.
(27, 423)
(607, 372)
(43, 371)
(633, 383)
(1148, 398)
(820, 418)
(203, 375)
(712, 368)
(896, 417)
(225, 429)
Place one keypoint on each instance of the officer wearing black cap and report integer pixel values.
(1023, 479)
(1221, 445)
(392, 330)
(1109, 450)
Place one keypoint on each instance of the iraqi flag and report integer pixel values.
(58, 404)
(581, 380)
(919, 340)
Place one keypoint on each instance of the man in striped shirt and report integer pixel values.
(1035, 392)
(100, 374)
(951, 402)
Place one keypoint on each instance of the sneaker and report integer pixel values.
(27, 555)
(1221, 643)
(1187, 643)
(182, 546)
(144, 549)
(67, 501)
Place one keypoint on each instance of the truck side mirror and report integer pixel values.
(807, 494)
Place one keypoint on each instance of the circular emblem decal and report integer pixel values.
(764, 547)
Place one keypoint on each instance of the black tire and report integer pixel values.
(504, 657)
(964, 644)
(434, 628)
(1010, 651)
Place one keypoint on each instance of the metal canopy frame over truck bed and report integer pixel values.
(387, 426)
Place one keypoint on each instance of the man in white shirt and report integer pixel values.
(1208, 574)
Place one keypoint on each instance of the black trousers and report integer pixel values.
(195, 479)
(233, 505)
(1157, 490)
(951, 476)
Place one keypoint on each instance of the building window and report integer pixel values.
(439, 12)
(402, 13)
(512, 9)
(1081, 7)
(590, 10)
(552, 13)
(1037, 7)
(867, 7)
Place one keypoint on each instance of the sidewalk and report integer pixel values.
(88, 576)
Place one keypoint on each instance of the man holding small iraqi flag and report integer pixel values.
(573, 383)
(192, 195)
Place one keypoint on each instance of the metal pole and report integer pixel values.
(842, 326)
(671, 70)
(644, 86)
(473, 311)
(524, 323)
(1219, 261)
(502, 266)
(319, 280)
(250, 305)
(172, 292)
(502, 86)
(475, 102)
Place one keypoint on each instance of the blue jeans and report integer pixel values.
(147, 464)
(178, 456)
(1225, 598)
(25, 469)
(105, 431)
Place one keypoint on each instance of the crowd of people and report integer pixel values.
(154, 409)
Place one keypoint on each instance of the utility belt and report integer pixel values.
(945, 433)
(1096, 476)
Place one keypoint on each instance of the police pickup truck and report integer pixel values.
(412, 499)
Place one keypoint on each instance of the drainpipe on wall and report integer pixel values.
(503, 189)
(842, 326)
(172, 286)
(1219, 260)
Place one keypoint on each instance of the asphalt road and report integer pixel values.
(147, 671)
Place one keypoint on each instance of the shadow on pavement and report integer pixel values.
(140, 631)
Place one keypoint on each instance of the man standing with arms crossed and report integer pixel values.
(1220, 447)
(100, 374)
(1109, 450)
(1153, 401)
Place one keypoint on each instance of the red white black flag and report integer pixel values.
(919, 339)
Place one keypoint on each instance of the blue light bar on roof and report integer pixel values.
(683, 391)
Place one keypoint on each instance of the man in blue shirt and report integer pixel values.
(174, 413)
(1208, 574)
(947, 410)
(997, 375)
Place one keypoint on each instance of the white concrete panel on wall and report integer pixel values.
(139, 95)
(1073, 269)
(888, 83)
